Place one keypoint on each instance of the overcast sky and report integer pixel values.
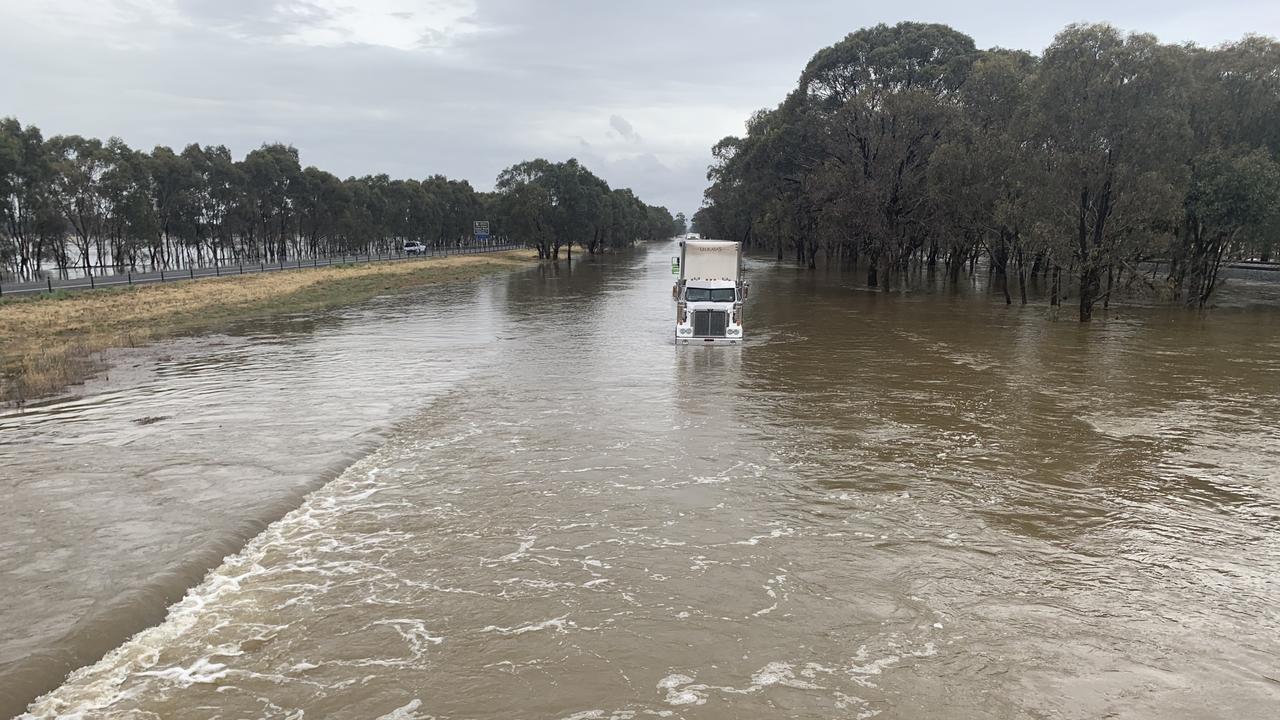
(638, 91)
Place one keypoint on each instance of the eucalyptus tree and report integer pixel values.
(756, 181)
(629, 220)
(904, 144)
(117, 205)
(680, 225)
(130, 221)
(219, 206)
(1231, 192)
(425, 213)
(842, 163)
(457, 206)
(1109, 112)
(320, 199)
(981, 177)
(556, 204)
(526, 201)
(1232, 196)
(29, 219)
(173, 197)
(723, 207)
(80, 165)
(657, 222)
(271, 174)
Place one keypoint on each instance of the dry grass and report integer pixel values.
(50, 342)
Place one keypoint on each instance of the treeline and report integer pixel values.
(904, 147)
(554, 205)
(70, 201)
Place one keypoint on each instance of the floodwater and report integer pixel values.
(923, 505)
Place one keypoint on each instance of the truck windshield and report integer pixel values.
(697, 294)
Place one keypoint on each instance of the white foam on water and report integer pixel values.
(687, 695)
(772, 674)
(843, 701)
(615, 715)
(861, 673)
(560, 624)
(200, 672)
(784, 674)
(408, 711)
(414, 632)
(773, 534)
(92, 689)
(526, 543)
(434, 587)
(682, 690)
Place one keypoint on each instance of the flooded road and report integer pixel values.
(896, 506)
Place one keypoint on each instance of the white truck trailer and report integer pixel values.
(709, 292)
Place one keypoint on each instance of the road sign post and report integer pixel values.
(480, 229)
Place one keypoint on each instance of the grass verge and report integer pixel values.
(50, 342)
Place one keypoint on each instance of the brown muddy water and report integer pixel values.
(922, 505)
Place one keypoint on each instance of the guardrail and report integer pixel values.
(92, 282)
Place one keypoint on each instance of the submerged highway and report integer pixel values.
(525, 502)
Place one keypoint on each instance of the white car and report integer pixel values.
(415, 248)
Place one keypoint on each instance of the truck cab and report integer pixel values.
(709, 293)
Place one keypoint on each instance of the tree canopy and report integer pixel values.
(906, 146)
(555, 205)
(74, 201)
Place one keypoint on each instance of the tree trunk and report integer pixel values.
(1089, 281)
(955, 264)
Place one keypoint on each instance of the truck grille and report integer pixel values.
(709, 323)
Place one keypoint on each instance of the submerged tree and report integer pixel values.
(558, 205)
(904, 146)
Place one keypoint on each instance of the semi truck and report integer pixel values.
(709, 292)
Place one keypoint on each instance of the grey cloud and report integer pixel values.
(529, 79)
(432, 39)
(623, 128)
(255, 18)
